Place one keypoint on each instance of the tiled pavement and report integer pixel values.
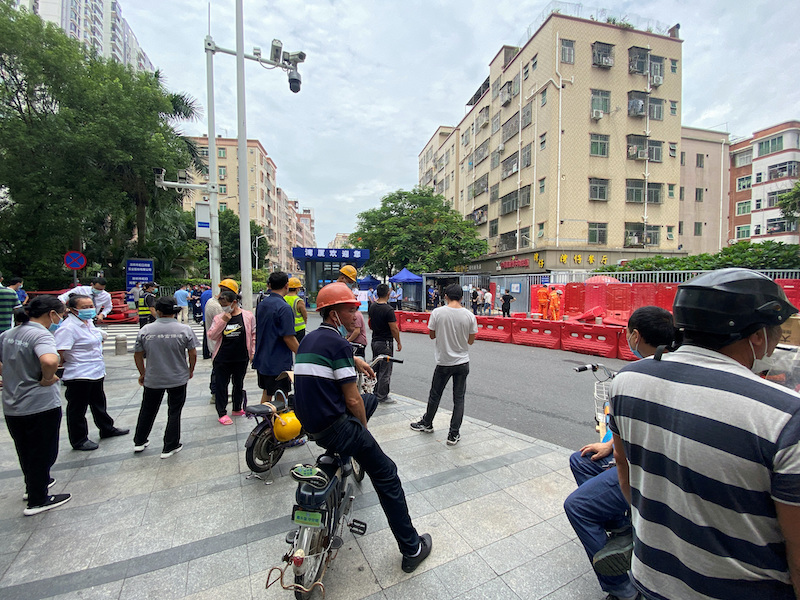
(193, 526)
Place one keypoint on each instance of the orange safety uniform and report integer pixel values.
(541, 296)
(555, 306)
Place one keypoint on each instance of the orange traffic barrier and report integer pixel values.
(599, 340)
(536, 332)
(494, 329)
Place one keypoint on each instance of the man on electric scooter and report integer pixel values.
(335, 415)
(598, 506)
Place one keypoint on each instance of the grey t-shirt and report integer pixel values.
(164, 343)
(20, 349)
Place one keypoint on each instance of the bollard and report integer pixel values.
(121, 345)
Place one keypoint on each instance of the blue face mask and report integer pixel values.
(86, 314)
(95, 291)
(54, 326)
(635, 351)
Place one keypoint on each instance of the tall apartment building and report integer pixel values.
(762, 168)
(306, 221)
(340, 240)
(704, 191)
(568, 152)
(97, 23)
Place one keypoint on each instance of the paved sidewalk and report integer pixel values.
(193, 526)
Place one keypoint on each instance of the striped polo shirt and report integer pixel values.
(8, 302)
(711, 447)
(324, 362)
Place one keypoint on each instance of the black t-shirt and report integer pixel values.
(380, 315)
(233, 347)
(507, 298)
(474, 295)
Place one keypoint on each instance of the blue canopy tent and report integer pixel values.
(368, 282)
(412, 289)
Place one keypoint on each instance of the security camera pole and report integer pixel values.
(283, 60)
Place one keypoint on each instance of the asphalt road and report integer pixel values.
(530, 390)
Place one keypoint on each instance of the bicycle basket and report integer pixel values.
(602, 394)
(368, 385)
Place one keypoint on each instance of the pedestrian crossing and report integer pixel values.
(131, 330)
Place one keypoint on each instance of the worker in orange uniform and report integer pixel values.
(541, 296)
(555, 305)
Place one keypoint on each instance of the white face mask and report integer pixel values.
(765, 363)
(227, 309)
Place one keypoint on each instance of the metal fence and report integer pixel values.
(650, 276)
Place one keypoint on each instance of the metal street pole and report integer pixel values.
(246, 289)
(213, 175)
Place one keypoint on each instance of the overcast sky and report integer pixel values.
(381, 75)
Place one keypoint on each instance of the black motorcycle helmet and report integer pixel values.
(730, 302)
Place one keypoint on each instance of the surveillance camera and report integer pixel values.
(159, 172)
(256, 51)
(294, 80)
(294, 58)
(183, 177)
(276, 51)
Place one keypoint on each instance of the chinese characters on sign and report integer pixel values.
(331, 253)
(510, 264)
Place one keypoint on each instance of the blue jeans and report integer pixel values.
(350, 438)
(441, 375)
(598, 505)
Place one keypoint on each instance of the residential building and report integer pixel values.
(305, 221)
(762, 168)
(97, 23)
(704, 191)
(342, 240)
(569, 148)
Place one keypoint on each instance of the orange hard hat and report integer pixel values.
(335, 293)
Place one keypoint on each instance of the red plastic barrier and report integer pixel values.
(413, 322)
(623, 349)
(618, 300)
(574, 302)
(595, 295)
(589, 315)
(643, 294)
(535, 332)
(792, 289)
(519, 315)
(494, 329)
(599, 340)
(665, 295)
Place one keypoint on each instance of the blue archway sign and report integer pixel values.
(74, 260)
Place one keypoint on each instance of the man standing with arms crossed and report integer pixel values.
(384, 332)
(707, 451)
(454, 328)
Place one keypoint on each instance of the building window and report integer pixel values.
(701, 161)
(681, 193)
(568, 51)
(509, 203)
(780, 225)
(527, 114)
(540, 230)
(510, 128)
(482, 152)
(525, 72)
(534, 62)
(223, 189)
(543, 141)
(673, 65)
(785, 169)
(742, 232)
(495, 123)
(743, 208)
(680, 227)
(769, 146)
(671, 190)
(510, 166)
(515, 86)
(223, 206)
(494, 193)
(655, 150)
(544, 97)
(757, 230)
(223, 172)
(743, 183)
(683, 159)
(482, 184)
(598, 233)
(637, 236)
(773, 198)
(656, 109)
(637, 147)
(525, 237)
(743, 159)
(654, 193)
(673, 149)
(698, 229)
(202, 151)
(525, 196)
(698, 194)
(673, 107)
(496, 87)
(634, 191)
(598, 145)
(222, 152)
(670, 232)
(601, 100)
(598, 189)
(526, 156)
(602, 55)
(637, 60)
(637, 104)
(541, 185)
(493, 228)
(656, 68)
(495, 159)
(759, 177)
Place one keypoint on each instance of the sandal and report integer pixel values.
(225, 420)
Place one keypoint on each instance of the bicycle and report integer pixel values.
(602, 395)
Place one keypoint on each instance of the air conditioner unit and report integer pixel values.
(485, 123)
(658, 80)
(501, 148)
(641, 154)
(597, 114)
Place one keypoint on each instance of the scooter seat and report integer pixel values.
(309, 496)
(261, 410)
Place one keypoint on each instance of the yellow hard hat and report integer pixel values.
(286, 426)
(230, 284)
(349, 271)
(294, 282)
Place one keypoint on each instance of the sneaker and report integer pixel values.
(389, 400)
(225, 420)
(297, 442)
(421, 426)
(141, 447)
(171, 452)
(312, 475)
(410, 563)
(237, 413)
(49, 485)
(51, 502)
(615, 557)
(453, 439)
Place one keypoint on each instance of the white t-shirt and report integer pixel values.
(453, 326)
(487, 298)
(82, 344)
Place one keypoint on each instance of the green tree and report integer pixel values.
(790, 203)
(418, 230)
(229, 243)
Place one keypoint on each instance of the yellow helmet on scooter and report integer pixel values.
(286, 426)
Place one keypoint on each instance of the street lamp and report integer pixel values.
(255, 249)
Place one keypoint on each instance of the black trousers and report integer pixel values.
(151, 402)
(36, 439)
(223, 373)
(82, 394)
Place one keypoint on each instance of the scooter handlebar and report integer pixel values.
(583, 368)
